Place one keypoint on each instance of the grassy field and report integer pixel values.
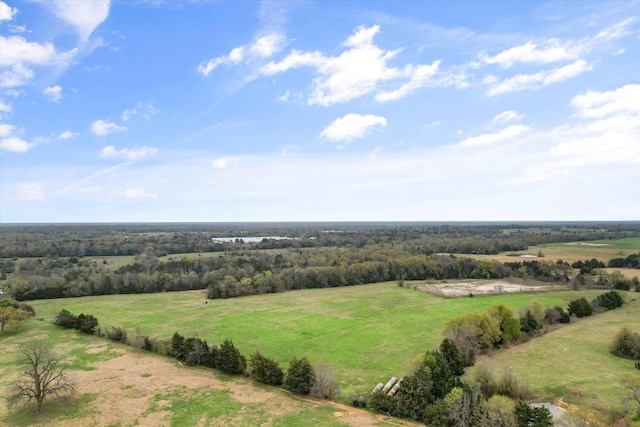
(603, 250)
(574, 362)
(120, 386)
(366, 333)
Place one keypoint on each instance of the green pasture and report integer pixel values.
(574, 362)
(366, 333)
(183, 406)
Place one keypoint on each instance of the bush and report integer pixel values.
(299, 376)
(626, 344)
(528, 324)
(65, 319)
(580, 307)
(229, 359)
(87, 323)
(608, 301)
(116, 334)
(265, 370)
(556, 315)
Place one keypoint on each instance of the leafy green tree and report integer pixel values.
(508, 324)
(451, 354)
(415, 394)
(299, 376)
(529, 416)
(626, 343)
(177, 346)
(608, 300)
(12, 316)
(497, 411)
(528, 324)
(442, 378)
(229, 359)
(43, 375)
(265, 370)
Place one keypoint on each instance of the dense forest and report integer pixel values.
(230, 260)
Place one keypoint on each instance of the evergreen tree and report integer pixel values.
(299, 376)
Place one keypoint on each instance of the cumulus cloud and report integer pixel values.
(67, 135)
(4, 108)
(29, 192)
(104, 128)
(83, 16)
(7, 12)
(263, 47)
(126, 153)
(507, 116)
(522, 82)
(54, 93)
(551, 51)
(9, 141)
(352, 126)
(19, 56)
(504, 135)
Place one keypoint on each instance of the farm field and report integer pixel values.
(118, 385)
(603, 250)
(366, 333)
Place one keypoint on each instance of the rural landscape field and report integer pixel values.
(278, 297)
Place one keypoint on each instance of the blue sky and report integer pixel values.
(319, 111)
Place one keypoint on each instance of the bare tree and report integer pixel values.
(43, 375)
(324, 385)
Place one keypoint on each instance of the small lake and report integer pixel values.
(254, 239)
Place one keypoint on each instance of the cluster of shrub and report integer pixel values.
(607, 301)
(436, 395)
(85, 323)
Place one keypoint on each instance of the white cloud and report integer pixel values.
(595, 104)
(7, 12)
(352, 126)
(551, 51)
(355, 72)
(137, 193)
(4, 108)
(103, 127)
(11, 142)
(224, 162)
(141, 110)
(126, 153)
(54, 93)
(504, 135)
(617, 30)
(84, 16)
(522, 82)
(421, 75)
(606, 134)
(29, 192)
(507, 116)
(67, 135)
(262, 47)
(19, 55)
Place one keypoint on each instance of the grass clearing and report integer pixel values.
(366, 333)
